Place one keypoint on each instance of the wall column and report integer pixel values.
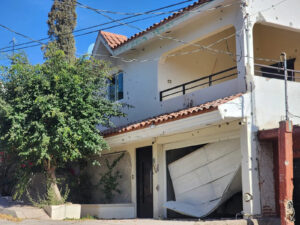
(132, 152)
(158, 181)
(285, 156)
(250, 178)
(244, 49)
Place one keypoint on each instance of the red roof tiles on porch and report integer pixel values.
(196, 110)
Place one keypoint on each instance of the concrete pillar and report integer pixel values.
(249, 142)
(285, 156)
(250, 177)
(244, 49)
(132, 153)
(158, 181)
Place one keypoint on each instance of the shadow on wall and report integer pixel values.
(122, 169)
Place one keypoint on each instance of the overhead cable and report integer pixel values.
(102, 24)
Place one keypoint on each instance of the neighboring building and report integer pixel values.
(207, 76)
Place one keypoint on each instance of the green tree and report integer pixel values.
(49, 113)
(61, 23)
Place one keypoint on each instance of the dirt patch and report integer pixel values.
(9, 218)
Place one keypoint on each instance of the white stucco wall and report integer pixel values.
(269, 102)
(143, 81)
(284, 13)
(194, 136)
(262, 107)
(123, 167)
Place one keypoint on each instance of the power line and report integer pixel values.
(78, 35)
(201, 47)
(21, 48)
(170, 55)
(293, 115)
(271, 7)
(120, 24)
(86, 33)
(208, 48)
(20, 34)
(133, 13)
(102, 24)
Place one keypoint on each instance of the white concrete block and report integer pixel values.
(66, 211)
(72, 211)
(55, 212)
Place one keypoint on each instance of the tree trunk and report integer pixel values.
(53, 183)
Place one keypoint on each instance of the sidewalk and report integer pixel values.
(19, 210)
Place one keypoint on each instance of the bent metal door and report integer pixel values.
(144, 182)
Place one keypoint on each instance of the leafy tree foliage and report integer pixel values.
(49, 113)
(61, 23)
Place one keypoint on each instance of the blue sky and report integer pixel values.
(29, 17)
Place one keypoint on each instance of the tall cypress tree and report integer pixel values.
(61, 23)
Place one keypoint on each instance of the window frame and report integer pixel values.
(115, 89)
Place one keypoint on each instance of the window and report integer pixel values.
(115, 87)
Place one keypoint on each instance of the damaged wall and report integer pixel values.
(266, 178)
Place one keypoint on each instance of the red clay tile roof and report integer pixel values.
(114, 45)
(196, 110)
(113, 40)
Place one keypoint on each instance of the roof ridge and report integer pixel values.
(107, 32)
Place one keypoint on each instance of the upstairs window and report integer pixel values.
(115, 87)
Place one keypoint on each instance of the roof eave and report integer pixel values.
(101, 40)
(149, 35)
(172, 127)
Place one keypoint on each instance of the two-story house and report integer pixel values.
(201, 84)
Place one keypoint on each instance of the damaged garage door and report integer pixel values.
(205, 178)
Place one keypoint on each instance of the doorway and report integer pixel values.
(144, 182)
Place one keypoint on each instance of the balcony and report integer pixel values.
(204, 81)
(276, 71)
(189, 69)
(270, 41)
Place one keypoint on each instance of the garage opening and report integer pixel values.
(204, 181)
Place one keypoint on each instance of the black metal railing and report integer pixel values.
(276, 71)
(203, 81)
